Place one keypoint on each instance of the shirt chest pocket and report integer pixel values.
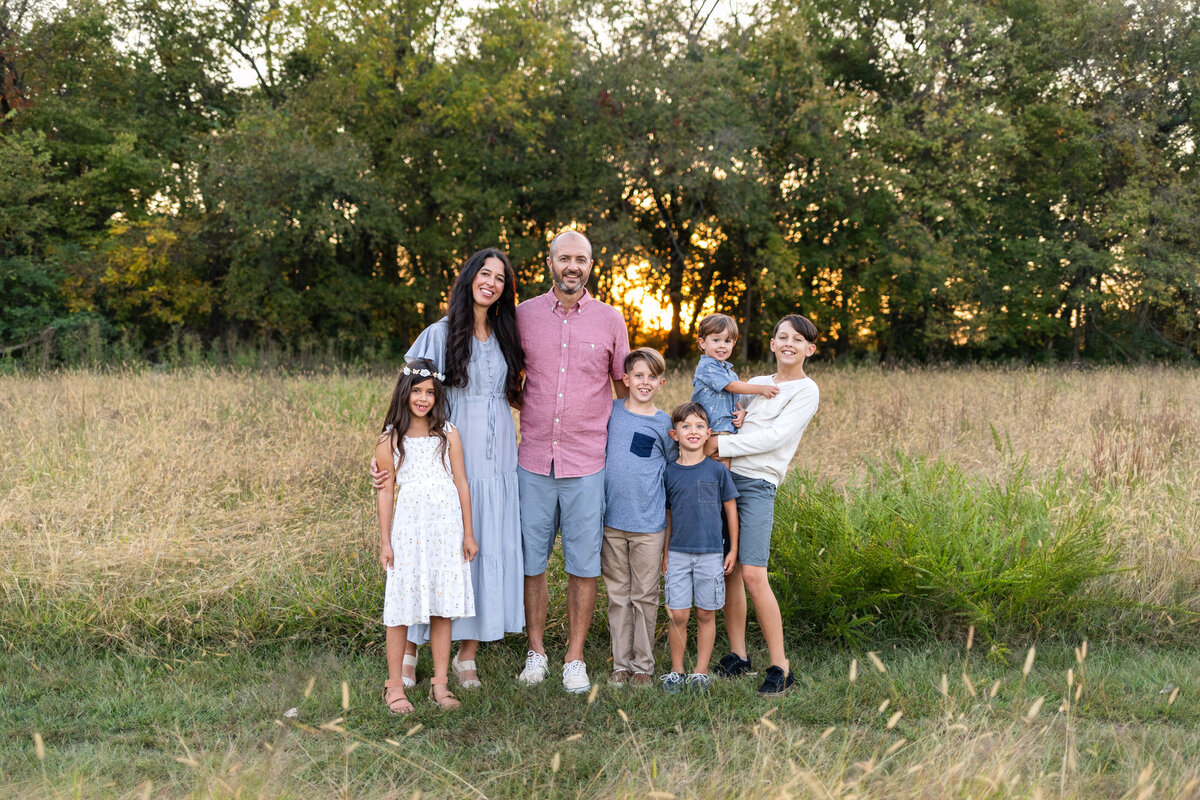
(589, 355)
(642, 445)
(708, 493)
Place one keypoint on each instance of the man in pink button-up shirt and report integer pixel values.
(575, 347)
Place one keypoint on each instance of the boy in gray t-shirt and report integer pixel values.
(635, 516)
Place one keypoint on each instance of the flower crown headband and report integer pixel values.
(424, 373)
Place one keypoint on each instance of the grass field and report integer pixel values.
(184, 552)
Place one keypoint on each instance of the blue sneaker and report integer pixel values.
(697, 682)
(672, 682)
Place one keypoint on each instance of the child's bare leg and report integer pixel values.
(677, 636)
(395, 639)
(706, 634)
(735, 611)
(439, 645)
(766, 611)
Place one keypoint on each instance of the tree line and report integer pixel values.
(926, 179)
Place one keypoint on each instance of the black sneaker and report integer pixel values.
(732, 666)
(776, 683)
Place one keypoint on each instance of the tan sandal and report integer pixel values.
(397, 705)
(461, 668)
(447, 701)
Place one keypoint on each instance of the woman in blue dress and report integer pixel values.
(477, 348)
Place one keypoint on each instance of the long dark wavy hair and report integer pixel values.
(502, 315)
(399, 415)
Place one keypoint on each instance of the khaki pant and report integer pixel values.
(631, 564)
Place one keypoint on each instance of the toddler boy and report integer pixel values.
(698, 488)
(715, 385)
(635, 517)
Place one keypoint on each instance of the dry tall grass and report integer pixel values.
(150, 498)
(152, 494)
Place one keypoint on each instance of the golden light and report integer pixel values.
(630, 286)
(644, 307)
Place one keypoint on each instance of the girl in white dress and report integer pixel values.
(426, 537)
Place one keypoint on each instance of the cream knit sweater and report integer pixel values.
(768, 439)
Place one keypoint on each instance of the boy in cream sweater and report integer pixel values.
(759, 458)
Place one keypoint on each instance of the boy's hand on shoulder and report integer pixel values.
(730, 560)
(470, 548)
(664, 564)
(387, 558)
(768, 390)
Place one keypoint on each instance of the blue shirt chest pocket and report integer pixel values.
(708, 492)
(642, 445)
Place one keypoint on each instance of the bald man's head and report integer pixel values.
(570, 262)
(572, 235)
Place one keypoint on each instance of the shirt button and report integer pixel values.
(554, 443)
(564, 344)
(560, 394)
(562, 369)
(564, 322)
(556, 418)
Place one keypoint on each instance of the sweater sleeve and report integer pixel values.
(431, 344)
(789, 424)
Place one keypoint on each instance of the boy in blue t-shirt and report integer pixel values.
(715, 385)
(635, 516)
(698, 488)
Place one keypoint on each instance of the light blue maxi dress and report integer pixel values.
(481, 413)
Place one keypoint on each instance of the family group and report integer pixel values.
(468, 519)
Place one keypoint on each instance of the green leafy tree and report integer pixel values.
(294, 233)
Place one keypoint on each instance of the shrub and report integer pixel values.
(920, 548)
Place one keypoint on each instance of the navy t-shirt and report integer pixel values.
(694, 495)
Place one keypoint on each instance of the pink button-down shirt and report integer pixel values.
(570, 354)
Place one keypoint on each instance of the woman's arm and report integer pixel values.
(386, 500)
(458, 470)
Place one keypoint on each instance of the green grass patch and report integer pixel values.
(922, 549)
(199, 724)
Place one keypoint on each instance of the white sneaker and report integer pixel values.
(535, 670)
(575, 677)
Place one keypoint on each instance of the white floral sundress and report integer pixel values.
(429, 576)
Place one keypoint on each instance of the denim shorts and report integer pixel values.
(574, 505)
(756, 518)
(695, 579)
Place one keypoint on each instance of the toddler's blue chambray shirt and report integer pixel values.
(708, 389)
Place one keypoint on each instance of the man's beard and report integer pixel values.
(561, 284)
